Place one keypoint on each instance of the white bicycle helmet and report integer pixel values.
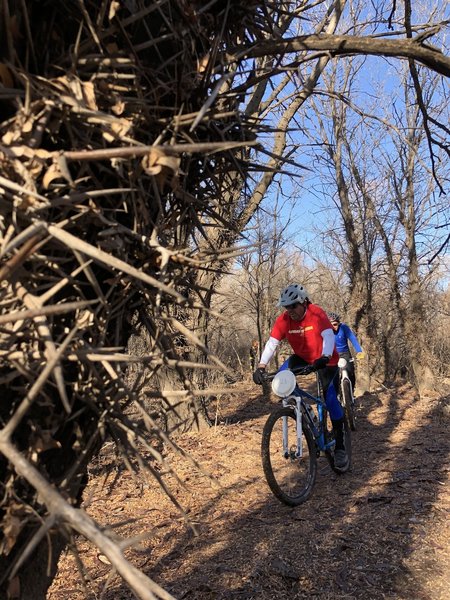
(293, 293)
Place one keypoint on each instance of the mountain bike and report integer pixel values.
(346, 392)
(295, 435)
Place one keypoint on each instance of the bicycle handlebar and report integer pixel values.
(306, 370)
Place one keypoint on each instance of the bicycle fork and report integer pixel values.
(298, 418)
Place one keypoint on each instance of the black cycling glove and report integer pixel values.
(259, 376)
(321, 363)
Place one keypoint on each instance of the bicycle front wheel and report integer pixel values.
(290, 477)
(347, 401)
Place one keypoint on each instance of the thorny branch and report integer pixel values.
(123, 156)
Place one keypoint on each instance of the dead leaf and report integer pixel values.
(13, 591)
(27, 127)
(14, 28)
(8, 138)
(52, 173)
(114, 7)
(17, 151)
(64, 168)
(120, 127)
(118, 107)
(41, 153)
(5, 76)
(150, 163)
(88, 90)
(163, 167)
(45, 441)
(85, 319)
(12, 524)
(203, 63)
(103, 559)
(112, 48)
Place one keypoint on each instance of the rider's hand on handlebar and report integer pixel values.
(321, 363)
(360, 355)
(259, 376)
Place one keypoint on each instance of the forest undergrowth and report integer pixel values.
(379, 532)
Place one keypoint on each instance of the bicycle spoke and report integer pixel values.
(290, 477)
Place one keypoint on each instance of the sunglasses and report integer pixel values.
(292, 306)
(334, 323)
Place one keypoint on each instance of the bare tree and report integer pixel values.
(384, 206)
(124, 181)
(297, 56)
(415, 200)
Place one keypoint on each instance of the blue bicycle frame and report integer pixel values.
(302, 397)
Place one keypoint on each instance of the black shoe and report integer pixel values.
(341, 459)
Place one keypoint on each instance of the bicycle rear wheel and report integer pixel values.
(290, 478)
(347, 401)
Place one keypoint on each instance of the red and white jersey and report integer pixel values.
(305, 336)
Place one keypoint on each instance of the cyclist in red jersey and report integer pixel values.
(308, 330)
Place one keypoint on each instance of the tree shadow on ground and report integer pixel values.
(253, 406)
(355, 535)
(362, 535)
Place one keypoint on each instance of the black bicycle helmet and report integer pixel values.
(334, 317)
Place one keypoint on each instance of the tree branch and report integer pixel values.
(343, 45)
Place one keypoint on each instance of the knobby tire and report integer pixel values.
(290, 479)
(348, 404)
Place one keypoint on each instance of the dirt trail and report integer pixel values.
(379, 532)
